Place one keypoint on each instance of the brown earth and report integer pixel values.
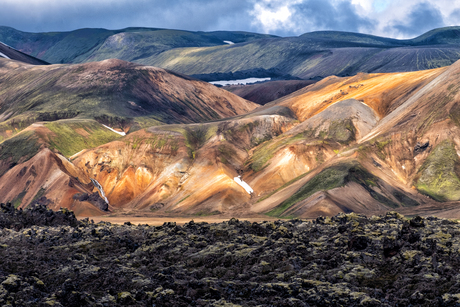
(375, 133)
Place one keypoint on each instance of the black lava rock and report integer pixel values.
(51, 259)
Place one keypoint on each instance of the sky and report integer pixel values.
(389, 18)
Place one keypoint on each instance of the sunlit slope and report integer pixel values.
(412, 154)
(368, 143)
(181, 169)
(35, 166)
(381, 92)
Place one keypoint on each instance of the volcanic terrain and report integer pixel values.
(120, 138)
(52, 259)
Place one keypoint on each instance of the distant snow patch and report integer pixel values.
(240, 81)
(229, 42)
(244, 185)
(120, 133)
(3, 55)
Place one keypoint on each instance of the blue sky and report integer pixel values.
(391, 18)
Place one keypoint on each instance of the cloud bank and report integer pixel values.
(393, 18)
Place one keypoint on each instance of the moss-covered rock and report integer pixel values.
(345, 260)
(438, 176)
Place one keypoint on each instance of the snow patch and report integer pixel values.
(244, 185)
(240, 81)
(74, 155)
(229, 42)
(3, 55)
(120, 133)
(99, 187)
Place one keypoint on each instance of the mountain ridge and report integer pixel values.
(312, 55)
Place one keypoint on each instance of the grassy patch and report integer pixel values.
(18, 200)
(382, 144)
(19, 148)
(341, 131)
(195, 137)
(39, 194)
(330, 178)
(438, 176)
(267, 150)
(183, 199)
(405, 200)
(145, 122)
(158, 141)
(226, 152)
(68, 141)
(207, 213)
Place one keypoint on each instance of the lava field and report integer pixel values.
(51, 259)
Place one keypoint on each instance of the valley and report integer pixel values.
(230, 153)
(119, 139)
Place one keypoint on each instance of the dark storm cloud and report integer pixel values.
(322, 15)
(64, 15)
(422, 18)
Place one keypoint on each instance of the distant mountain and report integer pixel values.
(210, 55)
(7, 52)
(367, 143)
(317, 55)
(85, 45)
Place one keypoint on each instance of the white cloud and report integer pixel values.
(393, 18)
(273, 15)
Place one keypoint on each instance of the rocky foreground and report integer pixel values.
(51, 259)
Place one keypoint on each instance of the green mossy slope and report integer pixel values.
(74, 136)
(439, 174)
(333, 177)
(18, 149)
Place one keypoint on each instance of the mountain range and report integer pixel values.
(211, 55)
(374, 129)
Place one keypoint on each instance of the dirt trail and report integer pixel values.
(157, 221)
